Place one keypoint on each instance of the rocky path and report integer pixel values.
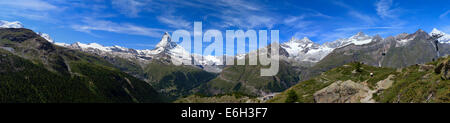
(381, 85)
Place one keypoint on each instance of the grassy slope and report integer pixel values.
(175, 81)
(131, 66)
(410, 84)
(23, 81)
(306, 89)
(246, 79)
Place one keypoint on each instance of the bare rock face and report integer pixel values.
(342, 92)
(442, 69)
(424, 67)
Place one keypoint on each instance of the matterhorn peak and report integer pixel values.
(166, 42)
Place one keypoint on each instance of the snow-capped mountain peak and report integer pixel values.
(360, 35)
(119, 48)
(95, 46)
(46, 37)
(303, 40)
(359, 39)
(305, 50)
(164, 45)
(445, 37)
(166, 42)
(294, 46)
(17, 24)
(7, 24)
(165, 48)
(436, 31)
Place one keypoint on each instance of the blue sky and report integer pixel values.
(140, 24)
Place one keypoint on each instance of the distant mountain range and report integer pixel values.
(150, 75)
(307, 50)
(395, 52)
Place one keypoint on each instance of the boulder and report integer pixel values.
(342, 92)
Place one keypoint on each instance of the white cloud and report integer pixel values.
(356, 14)
(306, 34)
(35, 5)
(31, 9)
(293, 19)
(386, 19)
(444, 14)
(235, 13)
(303, 26)
(244, 15)
(362, 28)
(239, 4)
(130, 8)
(174, 21)
(249, 21)
(384, 9)
(366, 18)
(125, 28)
(145, 45)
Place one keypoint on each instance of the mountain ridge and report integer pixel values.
(35, 70)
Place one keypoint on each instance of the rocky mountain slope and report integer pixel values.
(395, 52)
(305, 50)
(246, 79)
(165, 49)
(296, 58)
(155, 66)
